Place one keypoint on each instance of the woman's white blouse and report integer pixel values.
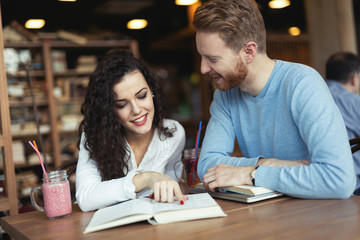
(162, 156)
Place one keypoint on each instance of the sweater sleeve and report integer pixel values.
(91, 192)
(331, 172)
(218, 143)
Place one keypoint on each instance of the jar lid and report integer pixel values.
(56, 174)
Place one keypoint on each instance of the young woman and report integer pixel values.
(127, 148)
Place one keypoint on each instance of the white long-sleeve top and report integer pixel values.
(162, 156)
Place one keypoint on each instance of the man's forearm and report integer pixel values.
(273, 162)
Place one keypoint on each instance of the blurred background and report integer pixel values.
(58, 56)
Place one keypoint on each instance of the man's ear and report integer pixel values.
(250, 50)
(354, 79)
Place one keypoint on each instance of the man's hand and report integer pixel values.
(224, 175)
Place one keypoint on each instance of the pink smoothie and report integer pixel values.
(57, 199)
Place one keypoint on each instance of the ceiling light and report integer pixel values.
(137, 24)
(35, 23)
(294, 31)
(277, 4)
(185, 2)
(67, 0)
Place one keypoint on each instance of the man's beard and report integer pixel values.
(235, 78)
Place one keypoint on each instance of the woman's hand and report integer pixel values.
(164, 187)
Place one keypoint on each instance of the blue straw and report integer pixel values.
(198, 139)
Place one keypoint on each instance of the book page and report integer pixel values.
(122, 210)
(198, 206)
(201, 200)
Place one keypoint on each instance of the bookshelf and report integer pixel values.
(54, 133)
(10, 201)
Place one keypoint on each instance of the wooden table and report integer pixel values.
(281, 218)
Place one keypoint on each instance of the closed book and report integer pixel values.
(242, 189)
(247, 189)
(243, 193)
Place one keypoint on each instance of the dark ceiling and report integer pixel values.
(165, 18)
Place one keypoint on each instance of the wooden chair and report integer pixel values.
(355, 144)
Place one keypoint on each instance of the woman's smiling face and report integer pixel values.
(134, 104)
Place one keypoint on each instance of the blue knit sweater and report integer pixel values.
(294, 117)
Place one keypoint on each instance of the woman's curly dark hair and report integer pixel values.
(105, 136)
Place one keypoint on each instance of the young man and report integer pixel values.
(282, 114)
(343, 79)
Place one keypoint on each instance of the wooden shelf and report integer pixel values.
(24, 165)
(22, 45)
(132, 44)
(71, 100)
(28, 133)
(72, 73)
(93, 44)
(27, 103)
(41, 73)
(4, 203)
(1, 141)
(33, 73)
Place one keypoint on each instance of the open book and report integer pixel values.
(243, 193)
(198, 206)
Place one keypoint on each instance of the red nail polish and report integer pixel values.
(181, 202)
